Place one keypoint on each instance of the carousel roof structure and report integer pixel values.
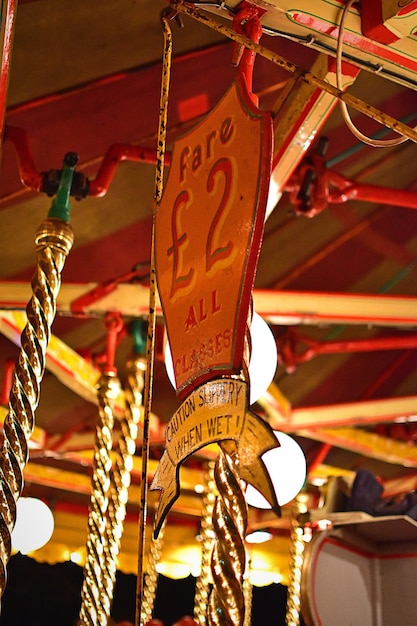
(336, 278)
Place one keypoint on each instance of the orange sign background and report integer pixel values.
(208, 234)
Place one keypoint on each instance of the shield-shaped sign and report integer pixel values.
(208, 234)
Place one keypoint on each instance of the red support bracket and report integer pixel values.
(246, 22)
(341, 189)
(79, 305)
(29, 176)
(117, 153)
(295, 348)
(48, 182)
(114, 329)
(8, 20)
(312, 187)
(7, 379)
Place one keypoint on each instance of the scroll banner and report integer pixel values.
(208, 233)
(216, 411)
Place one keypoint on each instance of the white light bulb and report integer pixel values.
(173, 570)
(263, 360)
(274, 196)
(287, 467)
(34, 525)
(258, 536)
(264, 578)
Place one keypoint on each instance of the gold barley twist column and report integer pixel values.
(248, 593)
(121, 474)
(247, 587)
(202, 587)
(296, 565)
(96, 602)
(134, 399)
(53, 242)
(230, 518)
(227, 602)
(151, 576)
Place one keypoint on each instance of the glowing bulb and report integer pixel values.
(34, 525)
(286, 466)
(173, 570)
(76, 557)
(263, 360)
(323, 524)
(195, 569)
(263, 578)
(274, 196)
(258, 536)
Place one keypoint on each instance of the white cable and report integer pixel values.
(376, 143)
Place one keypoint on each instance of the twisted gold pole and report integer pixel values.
(151, 576)
(227, 601)
(296, 565)
(95, 596)
(230, 518)
(136, 368)
(121, 474)
(202, 587)
(248, 593)
(136, 381)
(53, 242)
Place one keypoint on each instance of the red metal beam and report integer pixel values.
(312, 188)
(361, 413)
(8, 16)
(276, 307)
(295, 348)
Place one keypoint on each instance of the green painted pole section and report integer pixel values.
(60, 207)
(138, 330)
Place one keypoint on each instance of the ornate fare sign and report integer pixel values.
(208, 235)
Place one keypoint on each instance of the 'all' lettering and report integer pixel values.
(199, 313)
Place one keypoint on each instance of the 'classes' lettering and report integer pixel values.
(190, 362)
